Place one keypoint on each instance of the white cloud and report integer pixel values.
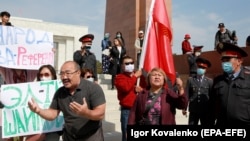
(213, 17)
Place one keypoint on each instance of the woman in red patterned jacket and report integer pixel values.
(165, 101)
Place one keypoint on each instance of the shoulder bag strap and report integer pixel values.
(151, 105)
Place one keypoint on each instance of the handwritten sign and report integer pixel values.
(17, 118)
(25, 48)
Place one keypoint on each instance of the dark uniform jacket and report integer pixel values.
(86, 61)
(192, 64)
(232, 100)
(199, 94)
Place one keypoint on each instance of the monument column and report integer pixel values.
(129, 16)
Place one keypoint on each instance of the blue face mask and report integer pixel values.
(106, 36)
(200, 71)
(227, 67)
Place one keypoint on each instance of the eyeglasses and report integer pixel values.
(90, 76)
(127, 63)
(68, 74)
(44, 74)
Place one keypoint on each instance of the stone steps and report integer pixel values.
(112, 103)
(111, 122)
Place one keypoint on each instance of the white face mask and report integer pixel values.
(197, 53)
(91, 79)
(45, 78)
(129, 68)
(118, 35)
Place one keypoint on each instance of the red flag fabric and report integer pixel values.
(157, 51)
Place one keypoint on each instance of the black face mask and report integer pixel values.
(88, 47)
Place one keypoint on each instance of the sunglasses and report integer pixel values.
(44, 74)
(90, 76)
(127, 63)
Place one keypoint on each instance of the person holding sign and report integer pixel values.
(13, 76)
(82, 103)
(5, 17)
(45, 72)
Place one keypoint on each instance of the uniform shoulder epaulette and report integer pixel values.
(247, 69)
(208, 78)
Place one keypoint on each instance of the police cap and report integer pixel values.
(230, 50)
(87, 38)
(197, 48)
(203, 62)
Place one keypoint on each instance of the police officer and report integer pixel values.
(199, 88)
(191, 58)
(84, 57)
(232, 88)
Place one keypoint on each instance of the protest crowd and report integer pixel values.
(147, 95)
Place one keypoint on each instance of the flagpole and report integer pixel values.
(144, 46)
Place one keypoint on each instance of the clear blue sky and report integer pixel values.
(198, 18)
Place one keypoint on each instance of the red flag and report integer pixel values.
(157, 51)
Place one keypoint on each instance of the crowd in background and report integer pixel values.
(222, 100)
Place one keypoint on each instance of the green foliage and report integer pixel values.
(99, 67)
